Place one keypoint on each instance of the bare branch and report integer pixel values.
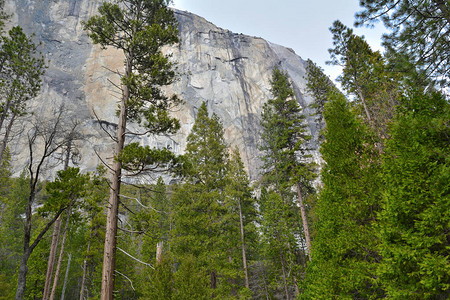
(138, 260)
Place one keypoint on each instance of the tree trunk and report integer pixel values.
(51, 258)
(83, 279)
(109, 254)
(283, 269)
(5, 139)
(159, 249)
(66, 277)
(244, 257)
(23, 270)
(61, 255)
(304, 220)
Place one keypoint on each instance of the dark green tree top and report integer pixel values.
(420, 31)
(207, 150)
(284, 136)
(140, 28)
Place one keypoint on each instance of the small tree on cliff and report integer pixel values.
(139, 28)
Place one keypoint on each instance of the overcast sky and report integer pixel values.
(298, 24)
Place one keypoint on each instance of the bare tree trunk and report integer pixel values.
(244, 257)
(159, 249)
(283, 269)
(109, 254)
(83, 280)
(305, 221)
(66, 277)
(51, 258)
(61, 255)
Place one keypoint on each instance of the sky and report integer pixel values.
(298, 24)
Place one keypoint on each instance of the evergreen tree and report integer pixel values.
(320, 86)
(415, 220)
(139, 28)
(201, 216)
(344, 252)
(21, 70)
(242, 212)
(283, 143)
(419, 37)
(366, 77)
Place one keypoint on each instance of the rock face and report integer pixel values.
(231, 72)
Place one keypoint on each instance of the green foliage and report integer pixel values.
(344, 252)
(419, 36)
(139, 159)
(284, 137)
(140, 28)
(415, 220)
(68, 187)
(161, 284)
(191, 281)
(366, 77)
(319, 85)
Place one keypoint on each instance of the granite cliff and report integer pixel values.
(230, 71)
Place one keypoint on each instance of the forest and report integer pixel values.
(371, 221)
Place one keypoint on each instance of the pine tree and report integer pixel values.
(139, 28)
(201, 216)
(21, 71)
(415, 220)
(366, 77)
(344, 252)
(419, 37)
(283, 143)
(241, 209)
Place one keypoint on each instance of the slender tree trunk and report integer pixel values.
(305, 221)
(5, 139)
(51, 258)
(363, 101)
(283, 269)
(61, 255)
(109, 254)
(159, 249)
(83, 279)
(66, 277)
(23, 268)
(244, 257)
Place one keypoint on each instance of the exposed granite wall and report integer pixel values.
(231, 72)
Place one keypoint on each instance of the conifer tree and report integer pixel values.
(344, 252)
(419, 37)
(415, 218)
(366, 77)
(201, 220)
(284, 139)
(241, 209)
(139, 28)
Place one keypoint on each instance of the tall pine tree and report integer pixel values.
(344, 252)
(415, 221)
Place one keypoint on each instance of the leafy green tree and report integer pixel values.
(11, 230)
(415, 219)
(284, 139)
(242, 212)
(344, 250)
(420, 33)
(139, 28)
(279, 229)
(319, 85)
(201, 217)
(366, 77)
(21, 70)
